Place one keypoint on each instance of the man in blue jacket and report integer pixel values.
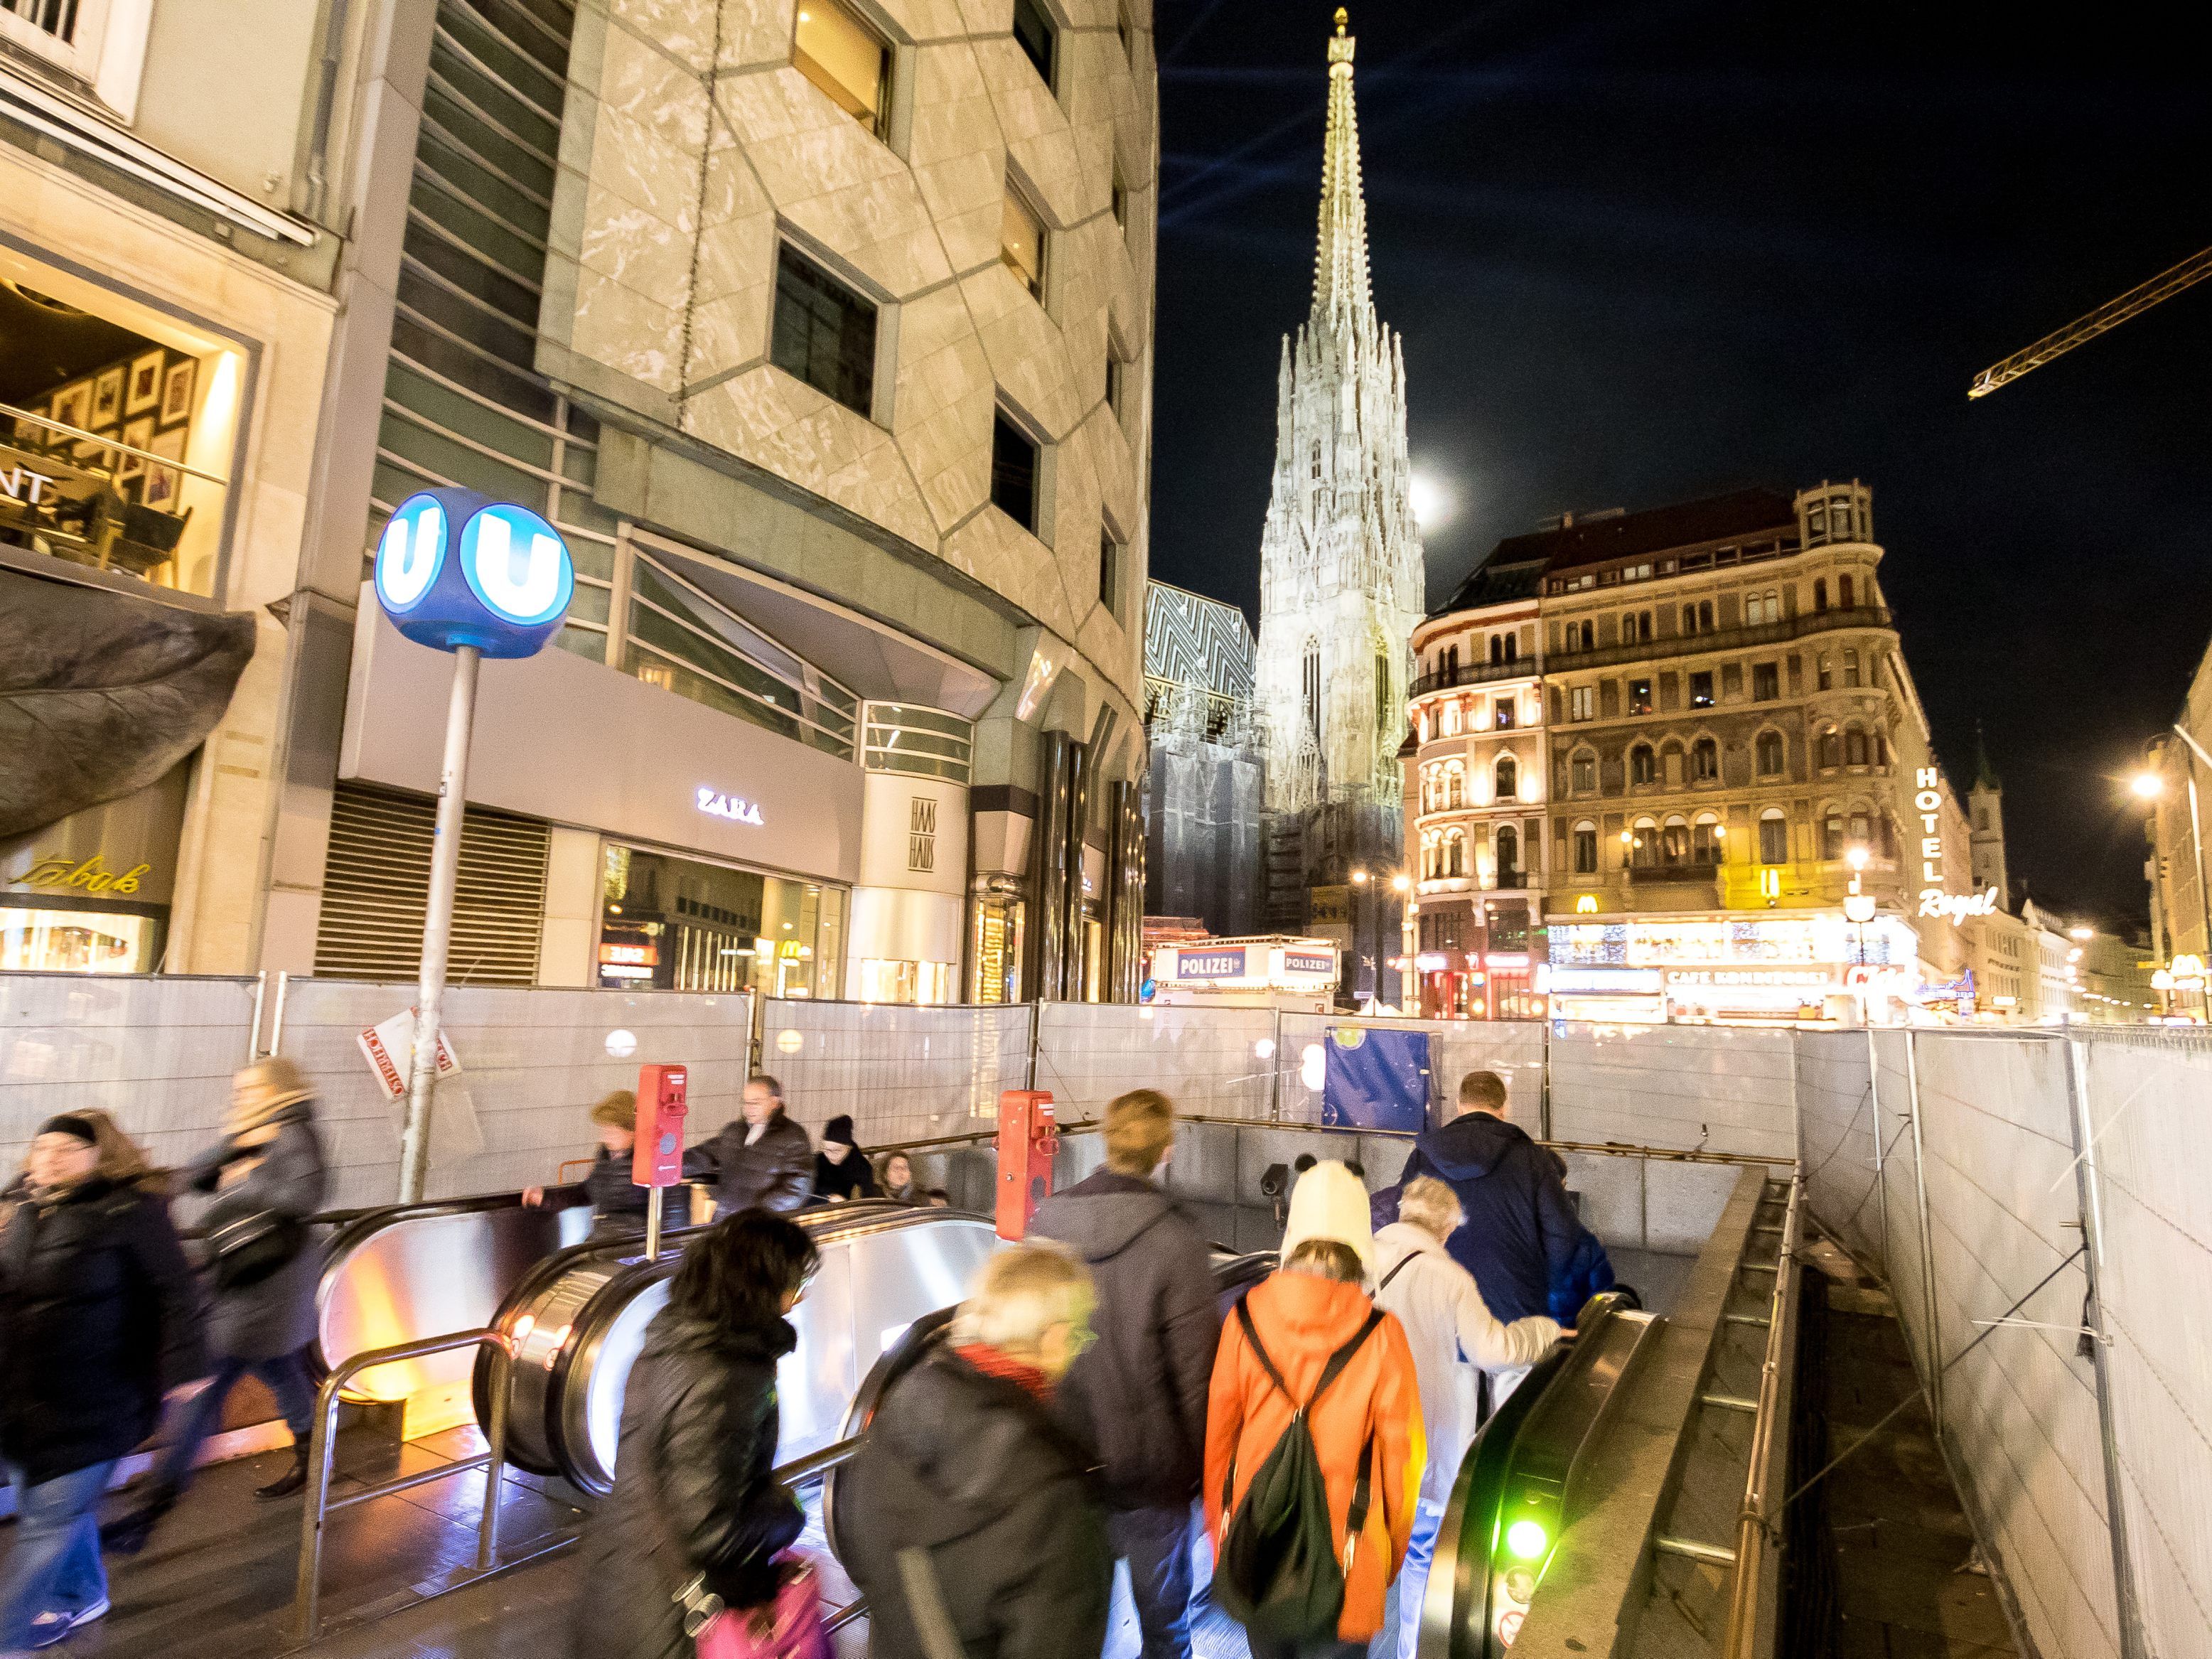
(1528, 1249)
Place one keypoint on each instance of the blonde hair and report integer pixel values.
(1139, 1126)
(1430, 1204)
(617, 1111)
(1020, 1294)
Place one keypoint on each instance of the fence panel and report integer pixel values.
(1214, 1063)
(2020, 1411)
(902, 1073)
(2148, 1092)
(1836, 1128)
(156, 1053)
(1722, 1089)
(532, 1062)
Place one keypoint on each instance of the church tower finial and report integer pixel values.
(1341, 285)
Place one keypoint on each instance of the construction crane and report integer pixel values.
(2110, 315)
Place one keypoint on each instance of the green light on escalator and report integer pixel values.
(1525, 1540)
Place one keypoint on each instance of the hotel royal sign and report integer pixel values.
(1934, 900)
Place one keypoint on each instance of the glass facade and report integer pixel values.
(676, 924)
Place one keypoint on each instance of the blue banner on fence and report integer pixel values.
(1376, 1080)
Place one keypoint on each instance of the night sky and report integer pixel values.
(1648, 251)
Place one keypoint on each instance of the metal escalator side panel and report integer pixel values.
(416, 1271)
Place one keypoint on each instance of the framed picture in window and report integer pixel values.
(138, 434)
(68, 404)
(162, 482)
(143, 389)
(177, 390)
(94, 453)
(108, 397)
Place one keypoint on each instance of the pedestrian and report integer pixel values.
(618, 1204)
(100, 1317)
(762, 1161)
(268, 1177)
(896, 1179)
(1454, 1338)
(1309, 1323)
(841, 1171)
(697, 1511)
(979, 1533)
(1140, 1393)
(1522, 1237)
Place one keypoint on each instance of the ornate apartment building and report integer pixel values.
(1725, 726)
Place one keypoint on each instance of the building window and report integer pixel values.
(1704, 760)
(1826, 677)
(1582, 702)
(825, 334)
(1854, 746)
(1701, 689)
(1830, 749)
(1455, 788)
(1844, 591)
(1770, 754)
(1639, 697)
(1880, 750)
(1507, 775)
(1851, 668)
(1013, 471)
(1774, 837)
(1317, 458)
(1643, 844)
(1034, 34)
(1831, 836)
(1455, 854)
(1820, 593)
(1705, 841)
(1862, 830)
(1114, 384)
(1110, 572)
(1689, 619)
(1119, 198)
(1384, 700)
(1674, 842)
(1766, 682)
(844, 57)
(1021, 241)
(1509, 856)
(1505, 711)
(1586, 848)
(1643, 764)
(1310, 682)
(1588, 634)
(1581, 773)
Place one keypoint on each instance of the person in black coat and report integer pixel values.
(696, 1511)
(1521, 1240)
(1140, 1395)
(976, 1512)
(762, 1162)
(100, 1317)
(841, 1171)
(618, 1204)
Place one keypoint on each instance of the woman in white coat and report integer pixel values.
(1453, 1335)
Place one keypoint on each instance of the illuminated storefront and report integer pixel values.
(674, 924)
(1260, 970)
(1790, 968)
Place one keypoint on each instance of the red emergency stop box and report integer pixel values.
(657, 1160)
(1028, 1142)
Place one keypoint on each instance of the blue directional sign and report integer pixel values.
(455, 568)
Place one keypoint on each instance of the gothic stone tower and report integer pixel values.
(1342, 578)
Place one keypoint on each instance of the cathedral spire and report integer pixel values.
(1340, 289)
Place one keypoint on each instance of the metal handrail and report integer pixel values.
(1755, 1526)
(315, 1516)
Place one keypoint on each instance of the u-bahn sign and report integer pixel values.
(455, 568)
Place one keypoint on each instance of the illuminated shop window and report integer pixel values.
(846, 58)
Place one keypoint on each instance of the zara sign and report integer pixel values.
(1934, 900)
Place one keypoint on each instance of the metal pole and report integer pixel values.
(314, 1517)
(1926, 1244)
(1881, 1181)
(438, 926)
(254, 1032)
(502, 1384)
(1275, 1073)
(2093, 1313)
(652, 1198)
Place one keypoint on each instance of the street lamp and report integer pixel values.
(1858, 906)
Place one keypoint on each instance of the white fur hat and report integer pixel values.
(1330, 1202)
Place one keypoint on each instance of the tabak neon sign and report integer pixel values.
(1934, 900)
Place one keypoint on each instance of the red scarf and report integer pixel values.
(991, 1363)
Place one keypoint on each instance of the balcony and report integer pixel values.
(1727, 639)
(1479, 673)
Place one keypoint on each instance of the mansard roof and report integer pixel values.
(1686, 524)
(1496, 580)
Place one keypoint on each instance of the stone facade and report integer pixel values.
(1203, 795)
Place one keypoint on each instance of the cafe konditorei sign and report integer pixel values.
(1928, 802)
(456, 569)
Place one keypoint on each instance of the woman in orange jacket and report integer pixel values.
(1304, 1313)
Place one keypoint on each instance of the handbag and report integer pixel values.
(248, 1248)
(790, 1626)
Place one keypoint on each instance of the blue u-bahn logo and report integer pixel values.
(454, 568)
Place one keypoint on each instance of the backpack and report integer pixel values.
(1278, 1574)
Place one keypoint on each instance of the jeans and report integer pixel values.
(1156, 1543)
(55, 1564)
(287, 1378)
(1413, 1576)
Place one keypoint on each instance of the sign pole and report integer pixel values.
(438, 926)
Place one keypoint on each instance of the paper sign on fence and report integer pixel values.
(391, 1050)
